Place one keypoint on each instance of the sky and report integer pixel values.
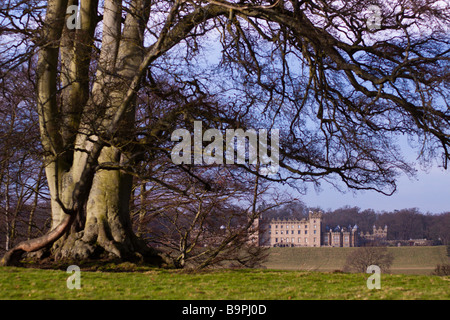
(429, 192)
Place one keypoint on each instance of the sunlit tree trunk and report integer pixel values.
(90, 206)
(103, 222)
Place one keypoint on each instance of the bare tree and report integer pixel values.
(22, 182)
(340, 92)
(202, 228)
(361, 258)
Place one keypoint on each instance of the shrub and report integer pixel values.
(442, 270)
(360, 259)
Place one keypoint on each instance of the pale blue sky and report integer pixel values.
(429, 193)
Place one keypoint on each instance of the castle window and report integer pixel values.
(299, 232)
(315, 231)
(306, 231)
(276, 239)
(281, 231)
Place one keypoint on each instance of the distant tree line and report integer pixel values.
(402, 224)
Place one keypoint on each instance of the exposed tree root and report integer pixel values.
(59, 246)
(13, 256)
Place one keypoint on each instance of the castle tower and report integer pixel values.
(355, 236)
(315, 227)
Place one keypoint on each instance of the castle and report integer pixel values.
(309, 233)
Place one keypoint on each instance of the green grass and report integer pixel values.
(27, 283)
(306, 275)
(407, 260)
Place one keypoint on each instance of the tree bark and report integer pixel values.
(106, 228)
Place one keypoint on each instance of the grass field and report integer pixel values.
(308, 274)
(407, 260)
(259, 284)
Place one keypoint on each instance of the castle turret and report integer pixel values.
(315, 228)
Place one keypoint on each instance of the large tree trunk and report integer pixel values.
(82, 128)
(104, 228)
(89, 206)
(103, 225)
